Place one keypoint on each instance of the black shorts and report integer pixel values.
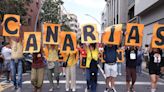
(162, 62)
(154, 69)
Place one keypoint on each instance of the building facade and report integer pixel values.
(149, 12)
(30, 18)
(74, 24)
(115, 12)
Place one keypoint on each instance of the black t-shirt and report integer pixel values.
(131, 58)
(152, 64)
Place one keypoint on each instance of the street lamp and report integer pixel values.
(93, 18)
(97, 22)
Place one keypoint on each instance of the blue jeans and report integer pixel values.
(92, 85)
(139, 69)
(119, 68)
(16, 65)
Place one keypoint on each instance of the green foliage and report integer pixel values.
(51, 14)
(50, 11)
(15, 7)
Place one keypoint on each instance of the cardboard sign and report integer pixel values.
(134, 34)
(32, 42)
(112, 35)
(89, 33)
(120, 55)
(11, 25)
(68, 42)
(51, 33)
(83, 62)
(62, 56)
(158, 36)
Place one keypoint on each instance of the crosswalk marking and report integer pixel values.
(99, 82)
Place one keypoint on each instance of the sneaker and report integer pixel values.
(132, 89)
(63, 74)
(86, 90)
(114, 90)
(51, 89)
(107, 90)
(14, 88)
(67, 90)
(19, 90)
(73, 90)
(153, 90)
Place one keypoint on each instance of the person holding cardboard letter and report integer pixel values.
(16, 62)
(110, 67)
(53, 65)
(131, 63)
(91, 67)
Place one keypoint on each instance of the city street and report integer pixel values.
(38, 36)
(142, 84)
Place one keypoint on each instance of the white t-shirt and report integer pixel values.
(132, 55)
(6, 52)
(157, 58)
(17, 50)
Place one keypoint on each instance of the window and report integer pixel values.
(131, 13)
(31, 10)
(29, 21)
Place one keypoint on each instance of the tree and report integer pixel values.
(65, 22)
(15, 7)
(51, 13)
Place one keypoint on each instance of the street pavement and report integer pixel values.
(142, 84)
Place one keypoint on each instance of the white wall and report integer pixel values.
(141, 5)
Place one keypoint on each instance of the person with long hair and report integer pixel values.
(154, 67)
(91, 67)
(37, 72)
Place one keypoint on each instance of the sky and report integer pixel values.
(82, 7)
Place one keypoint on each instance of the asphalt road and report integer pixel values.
(142, 84)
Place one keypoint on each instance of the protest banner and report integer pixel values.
(134, 34)
(32, 42)
(89, 33)
(112, 35)
(158, 36)
(51, 33)
(120, 55)
(11, 25)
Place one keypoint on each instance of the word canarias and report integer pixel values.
(53, 35)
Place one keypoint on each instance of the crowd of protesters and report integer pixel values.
(89, 56)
